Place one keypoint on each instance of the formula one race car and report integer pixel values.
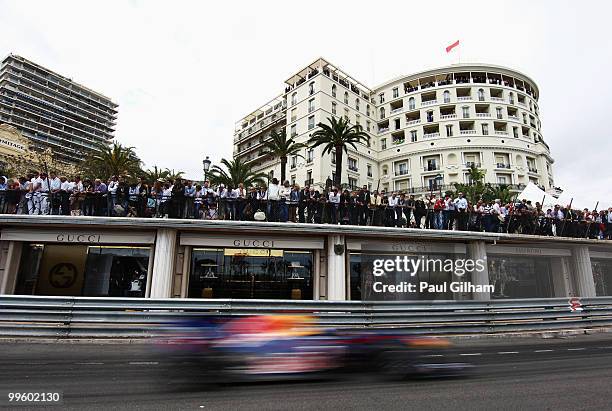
(281, 347)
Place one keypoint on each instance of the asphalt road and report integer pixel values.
(573, 373)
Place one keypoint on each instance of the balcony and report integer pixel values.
(464, 98)
(532, 169)
(503, 165)
(515, 118)
(501, 132)
(467, 132)
(432, 167)
(498, 99)
(470, 164)
(383, 130)
(402, 172)
(431, 135)
(482, 115)
(522, 103)
(396, 110)
(412, 122)
(428, 102)
(353, 168)
(447, 116)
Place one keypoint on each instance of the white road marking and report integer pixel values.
(576, 349)
(507, 352)
(434, 355)
(471, 353)
(543, 350)
(89, 363)
(143, 363)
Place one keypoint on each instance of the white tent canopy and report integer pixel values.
(535, 194)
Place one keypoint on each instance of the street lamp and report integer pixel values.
(439, 179)
(206, 164)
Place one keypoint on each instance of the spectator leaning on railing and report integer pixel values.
(42, 194)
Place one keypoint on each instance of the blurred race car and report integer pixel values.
(272, 347)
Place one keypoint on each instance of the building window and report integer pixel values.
(381, 98)
(411, 103)
(334, 108)
(449, 130)
(346, 114)
(383, 143)
(382, 112)
(352, 182)
(446, 96)
(294, 99)
(395, 92)
(352, 164)
(293, 162)
(293, 130)
(357, 104)
(413, 136)
(311, 88)
(397, 123)
(357, 119)
(345, 97)
(368, 110)
(481, 96)
(485, 129)
(311, 122)
(498, 110)
(466, 112)
(293, 114)
(511, 98)
(293, 179)
(368, 125)
(430, 117)
(333, 90)
(309, 177)
(311, 105)
(515, 132)
(310, 155)
(369, 170)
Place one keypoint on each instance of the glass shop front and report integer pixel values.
(252, 267)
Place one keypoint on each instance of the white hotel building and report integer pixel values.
(426, 128)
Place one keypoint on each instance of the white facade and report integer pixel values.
(424, 126)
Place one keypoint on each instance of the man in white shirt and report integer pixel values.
(461, 204)
(284, 193)
(65, 191)
(334, 202)
(273, 197)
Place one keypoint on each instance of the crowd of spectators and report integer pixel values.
(42, 194)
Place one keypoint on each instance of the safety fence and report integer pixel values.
(91, 317)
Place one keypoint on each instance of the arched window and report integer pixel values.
(346, 97)
(368, 110)
(481, 96)
(357, 104)
(294, 99)
(411, 104)
(311, 88)
(333, 90)
(511, 98)
(382, 112)
(447, 96)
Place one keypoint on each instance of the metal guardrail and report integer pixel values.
(87, 317)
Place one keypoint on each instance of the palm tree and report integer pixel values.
(174, 175)
(280, 146)
(475, 189)
(338, 135)
(234, 173)
(113, 160)
(166, 174)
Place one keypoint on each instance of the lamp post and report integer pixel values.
(206, 164)
(439, 179)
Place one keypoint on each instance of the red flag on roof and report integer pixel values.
(452, 46)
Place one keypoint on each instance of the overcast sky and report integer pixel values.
(183, 72)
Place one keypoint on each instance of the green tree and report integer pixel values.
(113, 160)
(338, 135)
(235, 172)
(281, 146)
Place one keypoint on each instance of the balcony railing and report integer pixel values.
(465, 132)
(402, 172)
(532, 169)
(411, 122)
(515, 118)
(432, 167)
(501, 132)
(483, 114)
(353, 168)
(431, 135)
(522, 103)
(428, 102)
(503, 165)
(383, 130)
(470, 164)
(464, 98)
(447, 116)
(497, 99)
(396, 110)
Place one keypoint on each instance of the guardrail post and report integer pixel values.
(583, 271)
(336, 268)
(163, 263)
(477, 250)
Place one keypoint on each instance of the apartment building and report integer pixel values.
(52, 111)
(426, 129)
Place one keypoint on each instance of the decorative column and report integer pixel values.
(163, 263)
(336, 268)
(583, 271)
(560, 271)
(477, 250)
